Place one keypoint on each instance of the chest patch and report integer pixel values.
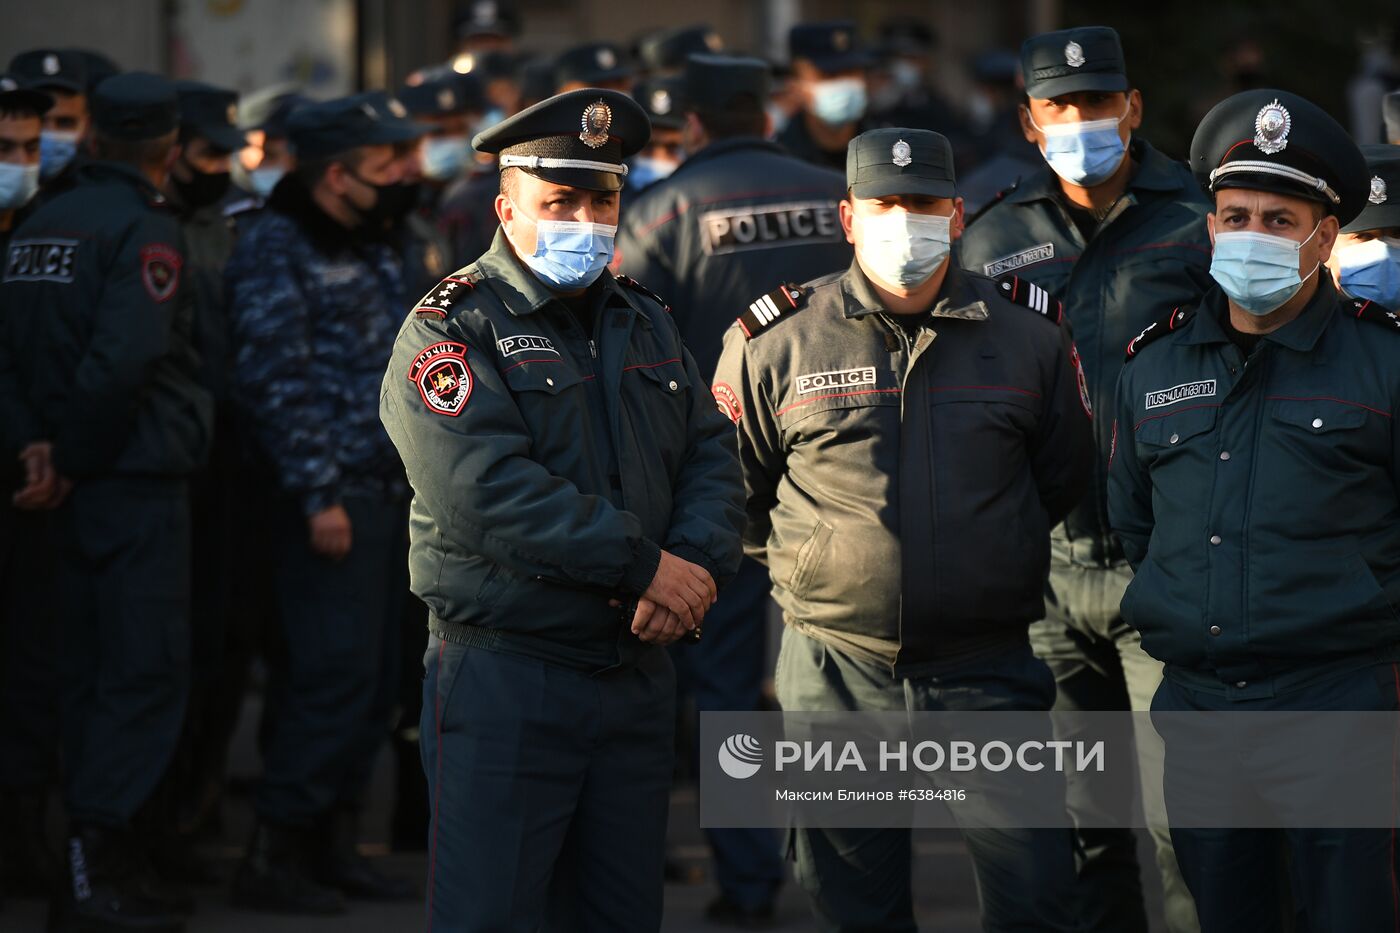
(836, 380)
(1017, 260)
(1161, 398)
(443, 377)
(525, 343)
(41, 261)
(765, 226)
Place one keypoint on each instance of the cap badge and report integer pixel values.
(369, 111)
(901, 154)
(1377, 190)
(660, 102)
(50, 64)
(841, 40)
(597, 120)
(1074, 55)
(607, 58)
(397, 108)
(484, 12)
(1271, 127)
(446, 100)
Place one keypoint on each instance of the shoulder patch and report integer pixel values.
(443, 377)
(764, 312)
(160, 270)
(1027, 294)
(445, 294)
(1364, 310)
(1159, 329)
(628, 282)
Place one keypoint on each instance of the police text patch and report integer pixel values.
(524, 343)
(765, 226)
(1016, 260)
(41, 261)
(1161, 398)
(836, 380)
(443, 377)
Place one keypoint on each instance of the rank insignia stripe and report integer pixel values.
(767, 309)
(1027, 294)
(444, 295)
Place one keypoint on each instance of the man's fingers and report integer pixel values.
(646, 609)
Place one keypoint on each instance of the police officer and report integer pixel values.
(1114, 229)
(576, 501)
(315, 298)
(663, 53)
(98, 332)
(829, 65)
(62, 74)
(1254, 490)
(737, 213)
(1365, 263)
(261, 164)
(593, 64)
(661, 99)
(28, 682)
(851, 396)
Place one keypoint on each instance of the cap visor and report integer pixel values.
(852, 61)
(1375, 217)
(29, 100)
(577, 178)
(903, 184)
(223, 137)
(1091, 81)
(58, 84)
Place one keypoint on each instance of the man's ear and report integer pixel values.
(958, 225)
(1134, 119)
(1210, 228)
(1027, 127)
(505, 209)
(847, 213)
(1327, 232)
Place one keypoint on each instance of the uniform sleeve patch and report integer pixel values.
(41, 261)
(728, 401)
(160, 271)
(443, 377)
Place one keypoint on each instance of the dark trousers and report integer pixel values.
(549, 791)
(124, 598)
(333, 661)
(28, 660)
(1255, 879)
(723, 672)
(860, 880)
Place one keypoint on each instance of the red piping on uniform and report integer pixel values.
(744, 328)
(461, 282)
(1166, 413)
(523, 362)
(818, 398)
(985, 389)
(437, 780)
(1325, 398)
(1362, 310)
(628, 369)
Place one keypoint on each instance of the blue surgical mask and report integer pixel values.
(264, 180)
(17, 185)
(1258, 271)
(838, 101)
(777, 117)
(1371, 271)
(570, 254)
(901, 248)
(645, 171)
(56, 150)
(1086, 153)
(444, 157)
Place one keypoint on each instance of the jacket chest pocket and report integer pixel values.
(549, 396)
(1325, 434)
(1179, 448)
(657, 405)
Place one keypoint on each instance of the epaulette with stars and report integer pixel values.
(1364, 310)
(1027, 294)
(1159, 329)
(765, 311)
(629, 282)
(444, 294)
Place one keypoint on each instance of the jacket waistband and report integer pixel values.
(1271, 685)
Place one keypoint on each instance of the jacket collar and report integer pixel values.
(1155, 173)
(292, 199)
(1300, 334)
(956, 298)
(521, 291)
(101, 171)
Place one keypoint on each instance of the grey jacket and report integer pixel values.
(901, 489)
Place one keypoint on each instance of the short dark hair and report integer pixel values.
(510, 183)
(744, 116)
(16, 111)
(312, 171)
(141, 152)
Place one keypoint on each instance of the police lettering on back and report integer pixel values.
(761, 227)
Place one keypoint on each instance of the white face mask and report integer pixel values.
(18, 183)
(903, 249)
